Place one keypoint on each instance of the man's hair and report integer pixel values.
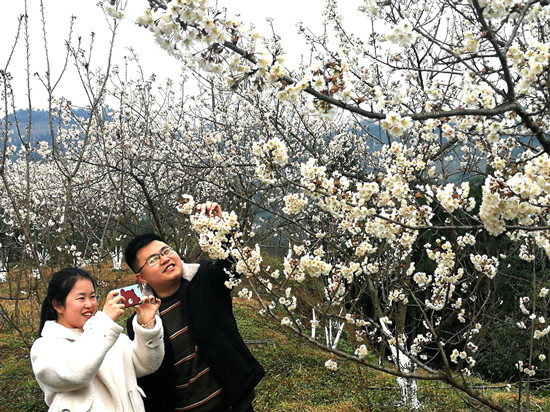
(130, 254)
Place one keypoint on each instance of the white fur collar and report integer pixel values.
(189, 270)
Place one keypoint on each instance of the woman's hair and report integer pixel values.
(59, 287)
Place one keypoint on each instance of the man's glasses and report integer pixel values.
(154, 259)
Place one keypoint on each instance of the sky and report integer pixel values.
(90, 18)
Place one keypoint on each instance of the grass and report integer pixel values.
(18, 388)
(296, 379)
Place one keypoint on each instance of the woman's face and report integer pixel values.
(80, 305)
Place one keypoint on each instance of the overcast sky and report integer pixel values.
(89, 18)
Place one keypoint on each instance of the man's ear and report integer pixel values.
(57, 306)
(140, 278)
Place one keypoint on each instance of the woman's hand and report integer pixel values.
(146, 311)
(114, 305)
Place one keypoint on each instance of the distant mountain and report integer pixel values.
(40, 124)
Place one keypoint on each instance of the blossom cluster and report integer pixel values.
(458, 355)
(452, 197)
(288, 300)
(419, 342)
(331, 365)
(445, 277)
(294, 203)
(249, 260)
(403, 34)
(269, 154)
(540, 321)
(315, 265)
(525, 368)
(529, 62)
(522, 197)
(186, 205)
(395, 124)
(214, 232)
(485, 264)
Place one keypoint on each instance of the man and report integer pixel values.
(207, 365)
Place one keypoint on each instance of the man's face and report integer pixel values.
(165, 274)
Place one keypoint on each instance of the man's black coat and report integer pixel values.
(207, 304)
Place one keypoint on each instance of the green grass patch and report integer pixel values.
(19, 391)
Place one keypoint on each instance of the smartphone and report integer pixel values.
(131, 293)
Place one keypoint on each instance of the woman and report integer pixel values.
(83, 361)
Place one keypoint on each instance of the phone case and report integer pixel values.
(132, 294)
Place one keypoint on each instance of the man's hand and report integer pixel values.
(209, 209)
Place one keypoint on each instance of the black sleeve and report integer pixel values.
(159, 386)
(130, 328)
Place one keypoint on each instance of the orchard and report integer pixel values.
(399, 178)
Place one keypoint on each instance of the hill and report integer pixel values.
(40, 124)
